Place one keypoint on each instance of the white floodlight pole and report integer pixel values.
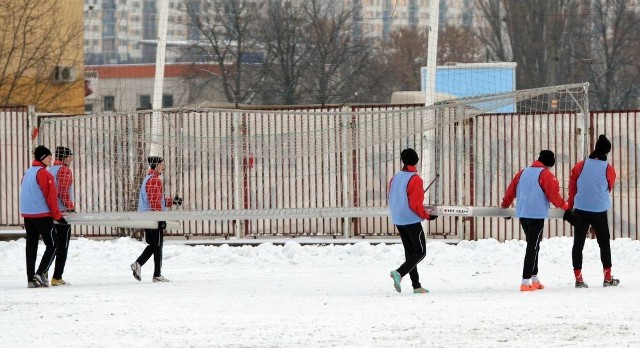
(428, 169)
(156, 125)
(432, 52)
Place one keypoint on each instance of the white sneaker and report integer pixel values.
(41, 280)
(137, 269)
(160, 279)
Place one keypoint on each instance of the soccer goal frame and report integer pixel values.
(244, 168)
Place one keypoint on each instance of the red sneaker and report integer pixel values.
(537, 285)
(527, 287)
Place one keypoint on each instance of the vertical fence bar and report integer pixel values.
(237, 171)
(346, 150)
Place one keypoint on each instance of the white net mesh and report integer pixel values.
(294, 163)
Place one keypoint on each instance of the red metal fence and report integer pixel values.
(497, 144)
(15, 157)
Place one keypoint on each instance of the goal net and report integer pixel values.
(306, 166)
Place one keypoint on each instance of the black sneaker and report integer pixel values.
(581, 284)
(612, 282)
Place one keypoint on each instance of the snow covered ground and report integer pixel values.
(336, 296)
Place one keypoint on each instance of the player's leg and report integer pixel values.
(31, 249)
(415, 250)
(47, 231)
(579, 237)
(64, 235)
(603, 236)
(157, 252)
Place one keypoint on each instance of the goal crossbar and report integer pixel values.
(124, 218)
(142, 224)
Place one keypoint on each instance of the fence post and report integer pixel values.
(586, 127)
(237, 171)
(346, 150)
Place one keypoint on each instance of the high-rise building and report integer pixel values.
(125, 31)
(378, 18)
(458, 13)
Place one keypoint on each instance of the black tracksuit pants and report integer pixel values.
(36, 228)
(533, 231)
(414, 243)
(601, 226)
(155, 240)
(63, 236)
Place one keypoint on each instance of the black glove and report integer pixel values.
(506, 217)
(571, 217)
(432, 217)
(70, 211)
(177, 200)
(62, 221)
(162, 225)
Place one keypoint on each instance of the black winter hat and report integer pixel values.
(41, 152)
(547, 157)
(63, 152)
(154, 161)
(409, 157)
(603, 145)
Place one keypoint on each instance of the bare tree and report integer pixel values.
(566, 41)
(229, 36)
(493, 32)
(370, 84)
(458, 44)
(531, 33)
(33, 48)
(285, 35)
(611, 54)
(405, 53)
(337, 59)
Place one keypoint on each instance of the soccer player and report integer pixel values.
(39, 207)
(590, 184)
(152, 199)
(64, 184)
(406, 203)
(534, 186)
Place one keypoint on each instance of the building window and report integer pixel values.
(109, 103)
(144, 102)
(88, 108)
(167, 100)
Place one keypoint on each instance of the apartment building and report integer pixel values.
(124, 31)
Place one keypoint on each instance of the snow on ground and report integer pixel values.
(326, 296)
